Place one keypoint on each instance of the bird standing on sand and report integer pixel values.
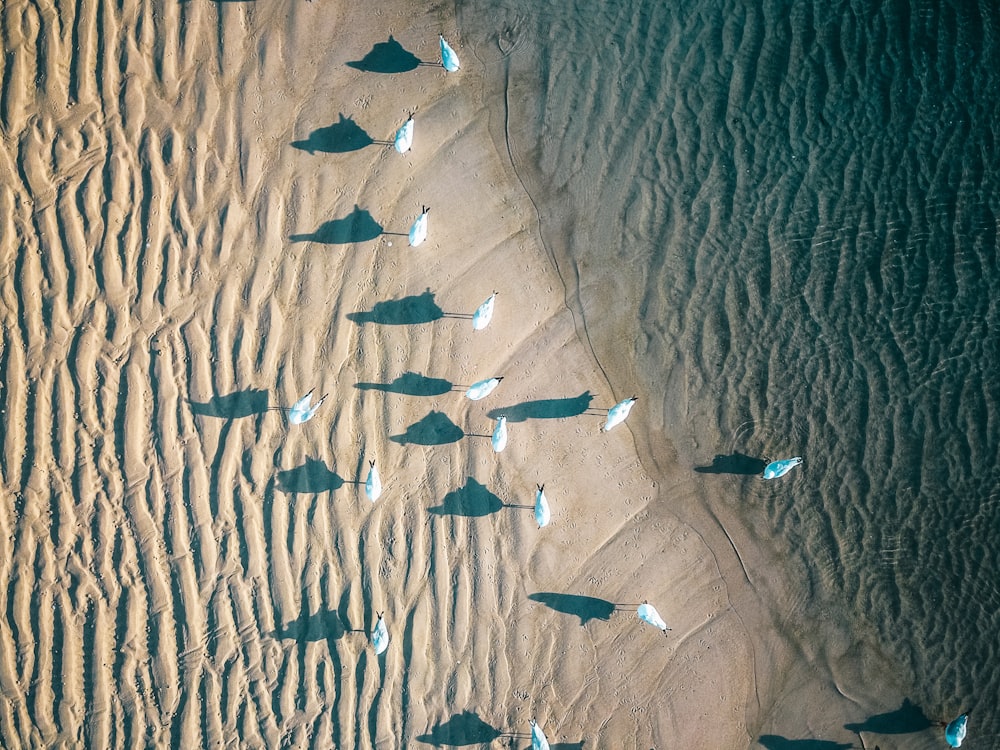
(618, 412)
(500, 434)
(484, 313)
(482, 389)
(380, 635)
(542, 513)
(404, 136)
(448, 57)
(538, 741)
(956, 729)
(418, 232)
(647, 613)
(301, 411)
(373, 484)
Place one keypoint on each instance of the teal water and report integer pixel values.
(783, 217)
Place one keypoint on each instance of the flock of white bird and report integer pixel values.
(304, 409)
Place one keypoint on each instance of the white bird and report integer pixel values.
(647, 613)
(777, 469)
(301, 411)
(618, 412)
(380, 636)
(956, 730)
(482, 389)
(500, 434)
(373, 484)
(542, 513)
(418, 232)
(404, 136)
(448, 57)
(483, 314)
(538, 741)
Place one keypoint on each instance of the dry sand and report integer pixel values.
(183, 568)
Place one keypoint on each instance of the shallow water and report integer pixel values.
(780, 224)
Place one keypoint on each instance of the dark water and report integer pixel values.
(792, 212)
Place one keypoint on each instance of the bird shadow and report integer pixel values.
(466, 728)
(233, 406)
(549, 408)
(433, 429)
(472, 501)
(387, 57)
(909, 717)
(775, 742)
(341, 137)
(412, 310)
(410, 384)
(321, 626)
(311, 478)
(357, 226)
(587, 608)
(735, 463)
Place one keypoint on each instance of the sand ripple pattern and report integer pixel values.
(786, 215)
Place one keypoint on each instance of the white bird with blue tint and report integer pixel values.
(484, 313)
(482, 389)
(418, 232)
(404, 136)
(777, 469)
(647, 613)
(542, 513)
(301, 411)
(448, 57)
(500, 434)
(380, 635)
(956, 730)
(538, 741)
(373, 484)
(618, 412)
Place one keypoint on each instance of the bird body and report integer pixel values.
(301, 410)
(956, 730)
(380, 635)
(404, 136)
(500, 434)
(647, 613)
(418, 232)
(373, 484)
(538, 741)
(482, 389)
(777, 469)
(448, 57)
(618, 412)
(542, 513)
(484, 313)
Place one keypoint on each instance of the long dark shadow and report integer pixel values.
(460, 730)
(549, 408)
(321, 626)
(434, 429)
(909, 717)
(357, 226)
(775, 742)
(387, 57)
(410, 384)
(232, 406)
(735, 463)
(587, 608)
(339, 138)
(472, 501)
(310, 478)
(405, 311)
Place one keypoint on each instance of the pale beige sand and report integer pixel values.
(180, 569)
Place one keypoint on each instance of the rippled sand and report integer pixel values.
(202, 221)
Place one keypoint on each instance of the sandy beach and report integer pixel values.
(203, 220)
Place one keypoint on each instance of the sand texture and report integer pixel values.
(202, 220)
